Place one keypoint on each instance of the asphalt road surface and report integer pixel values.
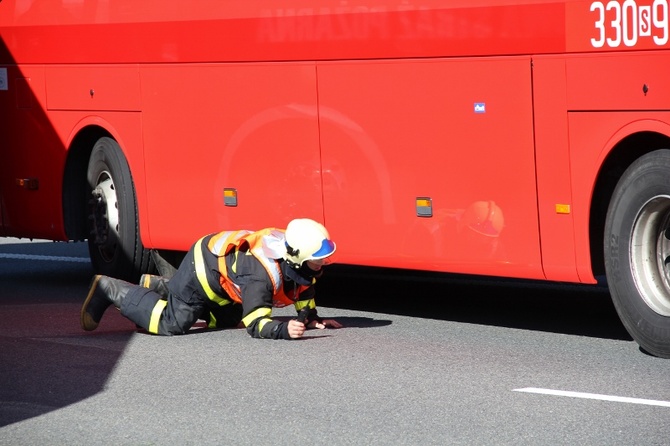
(423, 359)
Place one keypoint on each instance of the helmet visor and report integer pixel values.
(327, 249)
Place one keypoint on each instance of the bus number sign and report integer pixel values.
(621, 25)
(610, 25)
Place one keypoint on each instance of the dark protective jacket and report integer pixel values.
(246, 267)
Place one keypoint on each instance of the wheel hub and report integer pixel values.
(105, 217)
(650, 254)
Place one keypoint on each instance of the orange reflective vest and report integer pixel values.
(223, 243)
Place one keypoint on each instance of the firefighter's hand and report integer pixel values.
(295, 329)
(332, 323)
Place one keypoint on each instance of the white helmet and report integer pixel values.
(307, 240)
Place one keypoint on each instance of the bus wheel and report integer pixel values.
(637, 251)
(114, 242)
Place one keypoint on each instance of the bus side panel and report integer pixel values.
(126, 129)
(592, 136)
(599, 119)
(120, 31)
(251, 128)
(93, 87)
(33, 158)
(458, 132)
(641, 85)
(555, 207)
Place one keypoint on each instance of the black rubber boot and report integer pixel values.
(157, 284)
(164, 267)
(104, 291)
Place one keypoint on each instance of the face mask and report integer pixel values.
(296, 275)
(307, 272)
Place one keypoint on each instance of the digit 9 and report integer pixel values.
(660, 17)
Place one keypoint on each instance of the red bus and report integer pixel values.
(523, 139)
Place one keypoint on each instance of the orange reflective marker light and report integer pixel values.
(230, 196)
(562, 208)
(424, 207)
(28, 183)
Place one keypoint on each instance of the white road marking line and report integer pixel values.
(594, 396)
(38, 257)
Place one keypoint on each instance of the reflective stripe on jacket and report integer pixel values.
(256, 243)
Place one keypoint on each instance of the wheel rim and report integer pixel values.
(650, 254)
(105, 217)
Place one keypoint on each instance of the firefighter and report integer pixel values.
(226, 278)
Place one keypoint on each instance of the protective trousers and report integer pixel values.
(185, 304)
(150, 311)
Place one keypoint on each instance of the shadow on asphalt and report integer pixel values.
(584, 310)
(47, 362)
(353, 321)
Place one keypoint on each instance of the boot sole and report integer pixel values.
(86, 322)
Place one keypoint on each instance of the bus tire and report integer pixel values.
(114, 240)
(637, 251)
